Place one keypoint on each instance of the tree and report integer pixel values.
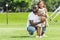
(23, 5)
(51, 4)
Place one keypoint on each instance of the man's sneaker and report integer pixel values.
(30, 35)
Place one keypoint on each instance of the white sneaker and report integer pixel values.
(39, 36)
(44, 35)
(30, 35)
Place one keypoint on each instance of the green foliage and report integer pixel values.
(23, 4)
(51, 4)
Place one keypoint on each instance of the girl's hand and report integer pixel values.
(43, 19)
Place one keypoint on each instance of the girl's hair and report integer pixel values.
(43, 3)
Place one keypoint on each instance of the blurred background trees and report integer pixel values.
(26, 5)
(52, 4)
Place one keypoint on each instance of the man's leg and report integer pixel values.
(31, 30)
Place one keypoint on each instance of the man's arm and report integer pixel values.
(32, 23)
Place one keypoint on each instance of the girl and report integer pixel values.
(42, 13)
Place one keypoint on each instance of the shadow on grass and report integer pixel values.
(21, 37)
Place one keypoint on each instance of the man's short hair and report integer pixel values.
(35, 6)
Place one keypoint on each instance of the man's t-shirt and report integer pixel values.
(33, 17)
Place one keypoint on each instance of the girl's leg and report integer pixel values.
(38, 31)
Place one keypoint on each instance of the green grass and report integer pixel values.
(13, 18)
(16, 29)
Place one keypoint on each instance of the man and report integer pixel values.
(32, 20)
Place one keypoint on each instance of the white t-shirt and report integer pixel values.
(33, 17)
(42, 11)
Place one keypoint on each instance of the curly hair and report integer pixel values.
(43, 3)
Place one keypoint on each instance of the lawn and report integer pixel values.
(16, 28)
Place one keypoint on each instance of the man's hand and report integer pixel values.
(34, 23)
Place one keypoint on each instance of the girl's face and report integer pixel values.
(41, 4)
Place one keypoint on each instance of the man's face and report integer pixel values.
(35, 8)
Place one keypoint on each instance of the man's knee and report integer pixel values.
(30, 29)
